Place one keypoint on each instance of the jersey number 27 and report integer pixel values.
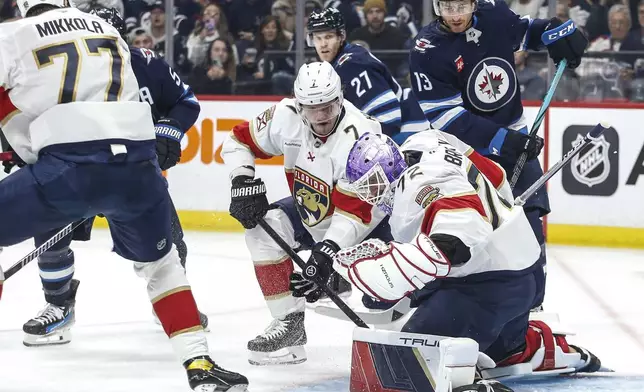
(71, 52)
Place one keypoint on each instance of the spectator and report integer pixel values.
(279, 68)
(284, 10)
(532, 86)
(380, 35)
(245, 16)
(597, 24)
(246, 70)
(139, 38)
(562, 11)
(635, 40)
(213, 25)
(603, 77)
(156, 30)
(218, 74)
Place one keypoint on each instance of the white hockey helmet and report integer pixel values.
(25, 5)
(318, 96)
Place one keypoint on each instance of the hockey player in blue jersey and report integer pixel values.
(367, 82)
(462, 72)
(174, 110)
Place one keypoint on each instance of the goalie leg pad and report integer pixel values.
(393, 361)
(273, 267)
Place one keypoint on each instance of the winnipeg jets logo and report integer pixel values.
(492, 84)
(422, 44)
(343, 59)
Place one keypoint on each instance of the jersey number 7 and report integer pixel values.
(70, 51)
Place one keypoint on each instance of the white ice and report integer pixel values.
(116, 347)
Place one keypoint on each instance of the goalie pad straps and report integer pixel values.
(539, 335)
(389, 272)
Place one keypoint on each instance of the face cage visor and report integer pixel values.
(321, 117)
(374, 188)
(455, 7)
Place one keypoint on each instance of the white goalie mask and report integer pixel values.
(318, 96)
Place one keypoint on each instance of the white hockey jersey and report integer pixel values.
(65, 77)
(453, 190)
(315, 169)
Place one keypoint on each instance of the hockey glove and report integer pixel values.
(564, 41)
(248, 202)
(318, 268)
(511, 144)
(169, 137)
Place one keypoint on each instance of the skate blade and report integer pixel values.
(217, 388)
(285, 356)
(54, 338)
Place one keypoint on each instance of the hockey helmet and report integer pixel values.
(111, 16)
(329, 19)
(318, 96)
(25, 5)
(373, 166)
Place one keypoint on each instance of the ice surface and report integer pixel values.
(116, 346)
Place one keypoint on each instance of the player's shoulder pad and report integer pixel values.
(144, 54)
(493, 9)
(281, 115)
(355, 57)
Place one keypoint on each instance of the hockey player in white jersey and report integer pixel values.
(463, 252)
(70, 108)
(314, 133)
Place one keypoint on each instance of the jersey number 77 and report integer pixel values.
(71, 52)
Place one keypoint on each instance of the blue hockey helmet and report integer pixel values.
(111, 16)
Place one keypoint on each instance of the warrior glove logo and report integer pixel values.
(492, 84)
(595, 170)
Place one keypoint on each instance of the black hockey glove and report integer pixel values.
(319, 267)
(564, 41)
(169, 137)
(248, 202)
(483, 386)
(515, 143)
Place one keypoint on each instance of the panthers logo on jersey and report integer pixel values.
(312, 197)
(492, 84)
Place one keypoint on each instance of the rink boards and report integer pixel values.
(596, 200)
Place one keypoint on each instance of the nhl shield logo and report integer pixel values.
(591, 166)
(595, 170)
(312, 197)
(492, 84)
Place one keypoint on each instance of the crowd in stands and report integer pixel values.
(248, 46)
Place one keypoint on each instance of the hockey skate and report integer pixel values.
(205, 376)
(53, 323)
(281, 343)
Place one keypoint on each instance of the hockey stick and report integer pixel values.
(321, 284)
(589, 138)
(42, 248)
(518, 167)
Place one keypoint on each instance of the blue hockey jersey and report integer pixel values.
(465, 82)
(163, 89)
(369, 86)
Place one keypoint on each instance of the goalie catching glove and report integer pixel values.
(388, 272)
(169, 137)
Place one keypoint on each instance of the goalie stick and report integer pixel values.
(42, 248)
(518, 167)
(321, 284)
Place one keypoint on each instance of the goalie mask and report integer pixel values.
(318, 96)
(373, 166)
